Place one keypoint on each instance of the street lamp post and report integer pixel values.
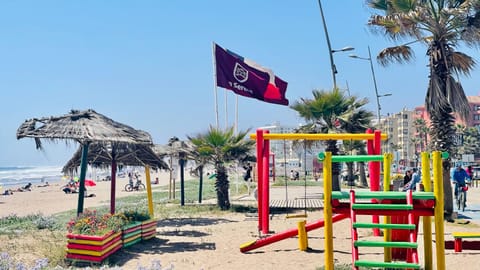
(330, 51)
(374, 81)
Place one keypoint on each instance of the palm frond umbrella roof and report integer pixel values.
(81, 126)
(102, 155)
(86, 127)
(173, 148)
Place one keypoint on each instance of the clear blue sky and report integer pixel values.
(148, 64)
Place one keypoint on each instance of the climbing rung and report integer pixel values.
(385, 244)
(390, 265)
(384, 226)
(380, 206)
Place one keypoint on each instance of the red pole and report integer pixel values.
(265, 185)
(259, 177)
(289, 233)
(375, 174)
(353, 219)
(413, 234)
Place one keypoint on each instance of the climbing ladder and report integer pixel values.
(373, 205)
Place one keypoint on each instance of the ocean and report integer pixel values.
(22, 175)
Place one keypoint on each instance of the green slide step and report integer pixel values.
(384, 226)
(382, 195)
(385, 244)
(394, 265)
(379, 206)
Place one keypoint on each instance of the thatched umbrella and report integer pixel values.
(179, 149)
(84, 127)
(113, 154)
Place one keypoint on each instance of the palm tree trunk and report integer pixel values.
(442, 131)
(351, 179)
(332, 147)
(222, 186)
(447, 190)
(363, 177)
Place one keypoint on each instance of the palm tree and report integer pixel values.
(442, 26)
(332, 112)
(360, 149)
(219, 147)
(468, 143)
(421, 129)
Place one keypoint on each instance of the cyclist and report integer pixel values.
(137, 177)
(459, 177)
(130, 178)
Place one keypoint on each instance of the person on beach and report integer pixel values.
(27, 187)
(45, 185)
(8, 192)
(70, 188)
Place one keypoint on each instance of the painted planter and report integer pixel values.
(149, 229)
(90, 248)
(131, 234)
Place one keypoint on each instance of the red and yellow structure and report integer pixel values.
(419, 204)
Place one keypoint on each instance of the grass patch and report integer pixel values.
(25, 239)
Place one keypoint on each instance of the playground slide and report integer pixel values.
(401, 235)
(287, 234)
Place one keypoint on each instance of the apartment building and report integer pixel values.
(400, 129)
(472, 121)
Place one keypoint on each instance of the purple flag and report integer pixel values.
(246, 78)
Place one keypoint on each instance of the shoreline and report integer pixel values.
(45, 199)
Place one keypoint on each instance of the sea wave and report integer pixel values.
(21, 175)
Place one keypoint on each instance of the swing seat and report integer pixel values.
(297, 216)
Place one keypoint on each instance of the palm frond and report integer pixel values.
(462, 63)
(400, 54)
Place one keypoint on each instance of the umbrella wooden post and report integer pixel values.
(182, 182)
(200, 186)
(83, 172)
(149, 191)
(113, 185)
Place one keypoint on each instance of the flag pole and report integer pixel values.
(226, 109)
(236, 115)
(215, 91)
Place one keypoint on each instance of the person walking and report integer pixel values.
(408, 177)
(415, 179)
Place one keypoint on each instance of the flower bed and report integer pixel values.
(149, 229)
(93, 248)
(131, 233)
(93, 237)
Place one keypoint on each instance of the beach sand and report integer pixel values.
(213, 241)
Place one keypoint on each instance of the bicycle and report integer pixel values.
(461, 195)
(139, 186)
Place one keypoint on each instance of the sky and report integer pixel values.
(149, 64)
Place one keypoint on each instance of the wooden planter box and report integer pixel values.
(131, 234)
(90, 248)
(149, 229)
